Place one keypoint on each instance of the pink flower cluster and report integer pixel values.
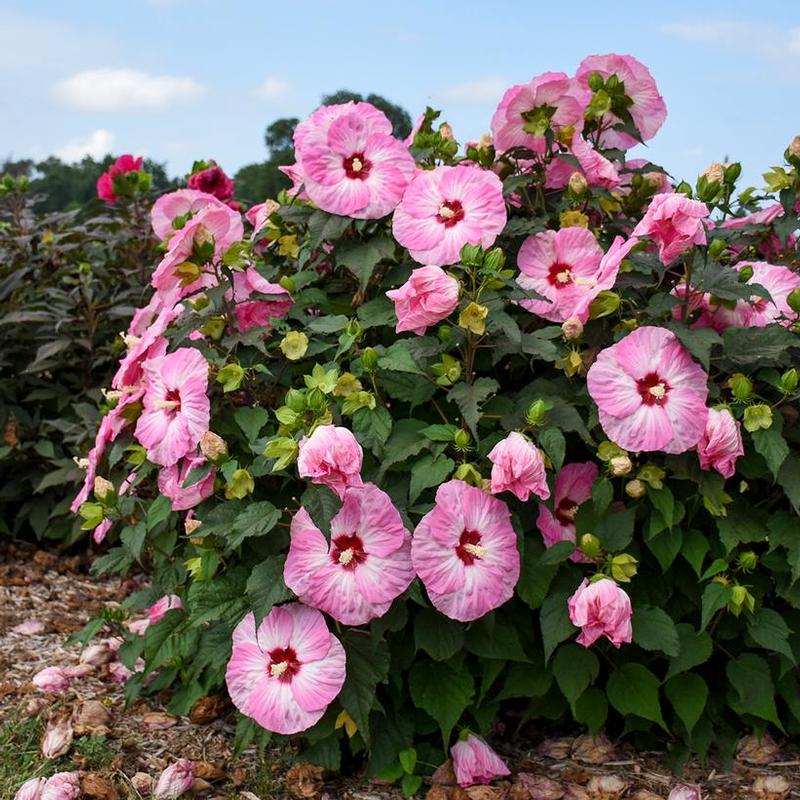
(105, 183)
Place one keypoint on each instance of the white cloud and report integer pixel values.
(96, 145)
(767, 43)
(109, 89)
(482, 92)
(272, 88)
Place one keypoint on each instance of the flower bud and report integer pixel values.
(296, 400)
(741, 600)
(623, 567)
(369, 358)
(747, 560)
(103, 489)
(577, 183)
(716, 248)
(462, 439)
(494, 260)
(793, 299)
(446, 132)
(294, 345)
(741, 387)
(590, 546)
(472, 255)
(231, 377)
(175, 780)
(486, 140)
(635, 488)
(57, 738)
(537, 411)
(620, 465)
(572, 328)
(595, 81)
(732, 172)
(213, 447)
(715, 173)
(757, 417)
(684, 188)
(286, 282)
(240, 485)
(789, 381)
(284, 449)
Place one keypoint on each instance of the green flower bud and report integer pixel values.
(92, 514)
(793, 300)
(741, 600)
(445, 333)
(296, 400)
(596, 81)
(684, 188)
(462, 439)
(316, 400)
(747, 561)
(623, 567)
(757, 418)
(369, 359)
(716, 248)
(789, 381)
(240, 485)
(284, 449)
(287, 282)
(741, 387)
(354, 329)
(358, 400)
(745, 273)
(494, 260)
(590, 546)
(472, 255)
(732, 173)
(537, 412)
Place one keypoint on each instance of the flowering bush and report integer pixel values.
(436, 440)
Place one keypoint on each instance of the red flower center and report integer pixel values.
(560, 275)
(357, 166)
(348, 551)
(653, 389)
(451, 212)
(283, 664)
(469, 547)
(173, 401)
(566, 510)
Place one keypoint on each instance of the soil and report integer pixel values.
(118, 748)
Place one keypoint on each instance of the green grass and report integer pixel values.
(21, 758)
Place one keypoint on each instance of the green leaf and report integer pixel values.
(591, 709)
(615, 530)
(408, 760)
(158, 512)
(663, 501)
(525, 680)
(535, 577)
(468, 398)
(602, 495)
(783, 533)
(789, 480)
(694, 549)
(765, 347)
(367, 666)
(326, 227)
(653, 629)
(557, 553)
(265, 586)
(322, 505)
(372, 426)
(769, 629)
(575, 669)
(750, 676)
(741, 525)
(405, 441)
(494, 636)
(688, 695)
(430, 470)
(694, 649)
(772, 446)
(332, 323)
(361, 258)
(633, 689)
(133, 537)
(555, 623)
(257, 519)
(440, 433)
(220, 599)
(398, 358)
(251, 419)
(554, 444)
(698, 341)
(715, 597)
(440, 637)
(379, 311)
(442, 692)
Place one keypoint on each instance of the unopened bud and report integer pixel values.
(102, 488)
(590, 545)
(793, 299)
(635, 488)
(286, 282)
(487, 140)
(716, 248)
(369, 359)
(494, 260)
(462, 439)
(213, 447)
(537, 411)
(446, 132)
(572, 328)
(741, 387)
(748, 561)
(789, 381)
(595, 81)
(620, 465)
(715, 173)
(741, 600)
(745, 273)
(577, 183)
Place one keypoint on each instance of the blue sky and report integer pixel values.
(185, 79)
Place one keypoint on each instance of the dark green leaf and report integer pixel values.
(633, 689)
(575, 669)
(442, 692)
(468, 398)
(437, 635)
(688, 694)
(265, 586)
(653, 629)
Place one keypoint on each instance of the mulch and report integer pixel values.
(144, 738)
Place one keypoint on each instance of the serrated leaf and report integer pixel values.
(771, 445)
(322, 505)
(633, 689)
(372, 426)
(555, 445)
(430, 470)
(256, 519)
(468, 398)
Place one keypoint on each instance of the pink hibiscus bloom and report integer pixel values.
(551, 100)
(331, 456)
(285, 673)
(674, 223)
(212, 180)
(176, 406)
(259, 215)
(365, 566)
(352, 166)
(427, 297)
(182, 203)
(650, 394)
(766, 216)
(518, 467)
(258, 313)
(721, 443)
(567, 267)
(465, 552)
(573, 488)
(780, 282)
(601, 608)
(474, 762)
(447, 207)
(597, 169)
(648, 109)
(105, 183)
(171, 483)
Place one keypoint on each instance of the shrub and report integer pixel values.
(448, 438)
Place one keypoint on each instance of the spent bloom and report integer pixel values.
(331, 456)
(551, 101)
(601, 608)
(518, 467)
(647, 107)
(31, 789)
(721, 443)
(427, 297)
(650, 393)
(212, 180)
(675, 223)
(52, 679)
(365, 566)
(573, 488)
(447, 207)
(568, 268)
(105, 183)
(465, 552)
(286, 672)
(474, 762)
(176, 406)
(57, 738)
(176, 779)
(62, 786)
(171, 482)
(684, 791)
(350, 162)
